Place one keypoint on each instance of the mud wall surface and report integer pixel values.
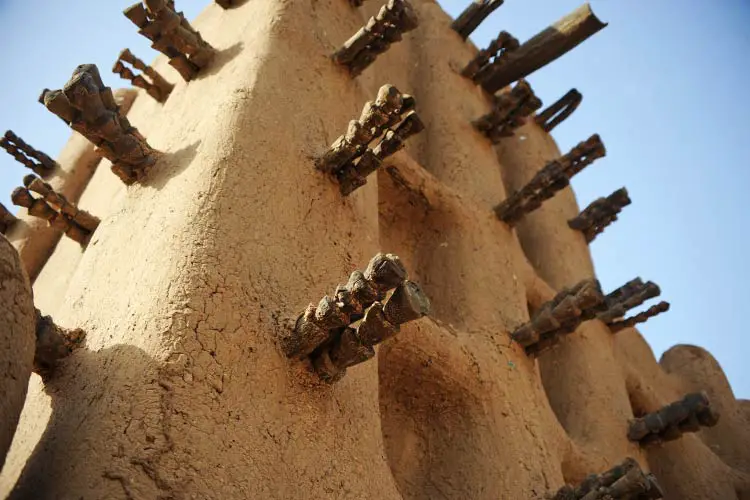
(182, 390)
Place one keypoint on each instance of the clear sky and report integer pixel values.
(665, 85)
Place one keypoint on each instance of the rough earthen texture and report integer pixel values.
(17, 326)
(183, 390)
(32, 237)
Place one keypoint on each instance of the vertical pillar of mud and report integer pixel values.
(697, 370)
(34, 239)
(449, 147)
(17, 338)
(454, 435)
(454, 394)
(459, 156)
(580, 376)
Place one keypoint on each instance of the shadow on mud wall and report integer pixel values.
(432, 424)
(171, 164)
(221, 59)
(105, 431)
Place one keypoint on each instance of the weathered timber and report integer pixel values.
(58, 202)
(155, 86)
(544, 48)
(509, 112)
(40, 208)
(627, 299)
(599, 214)
(561, 109)
(552, 178)
(560, 316)
(380, 322)
(495, 52)
(625, 481)
(35, 160)
(627, 290)
(326, 332)
(393, 20)
(354, 175)
(669, 423)
(476, 12)
(386, 108)
(225, 4)
(89, 108)
(52, 344)
(7, 219)
(383, 273)
(350, 159)
(642, 317)
(172, 35)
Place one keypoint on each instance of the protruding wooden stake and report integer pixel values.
(379, 323)
(641, 317)
(7, 219)
(323, 333)
(394, 19)
(493, 55)
(171, 35)
(25, 154)
(671, 422)
(350, 160)
(560, 316)
(89, 108)
(626, 481)
(52, 344)
(384, 272)
(554, 177)
(157, 87)
(60, 203)
(225, 4)
(509, 112)
(354, 176)
(473, 15)
(544, 48)
(77, 224)
(626, 298)
(599, 214)
(555, 114)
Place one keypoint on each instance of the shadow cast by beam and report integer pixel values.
(170, 165)
(221, 59)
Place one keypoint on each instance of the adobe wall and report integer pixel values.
(182, 390)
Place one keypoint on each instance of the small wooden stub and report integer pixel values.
(561, 109)
(509, 112)
(560, 316)
(51, 206)
(155, 85)
(552, 178)
(326, 333)
(687, 415)
(390, 118)
(52, 344)
(36, 161)
(172, 35)
(89, 108)
(393, 20)
(599, 214)
(476, 12)
(625, 481)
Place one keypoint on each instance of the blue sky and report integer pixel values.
(664, 85)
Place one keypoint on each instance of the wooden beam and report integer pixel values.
(544, 48)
